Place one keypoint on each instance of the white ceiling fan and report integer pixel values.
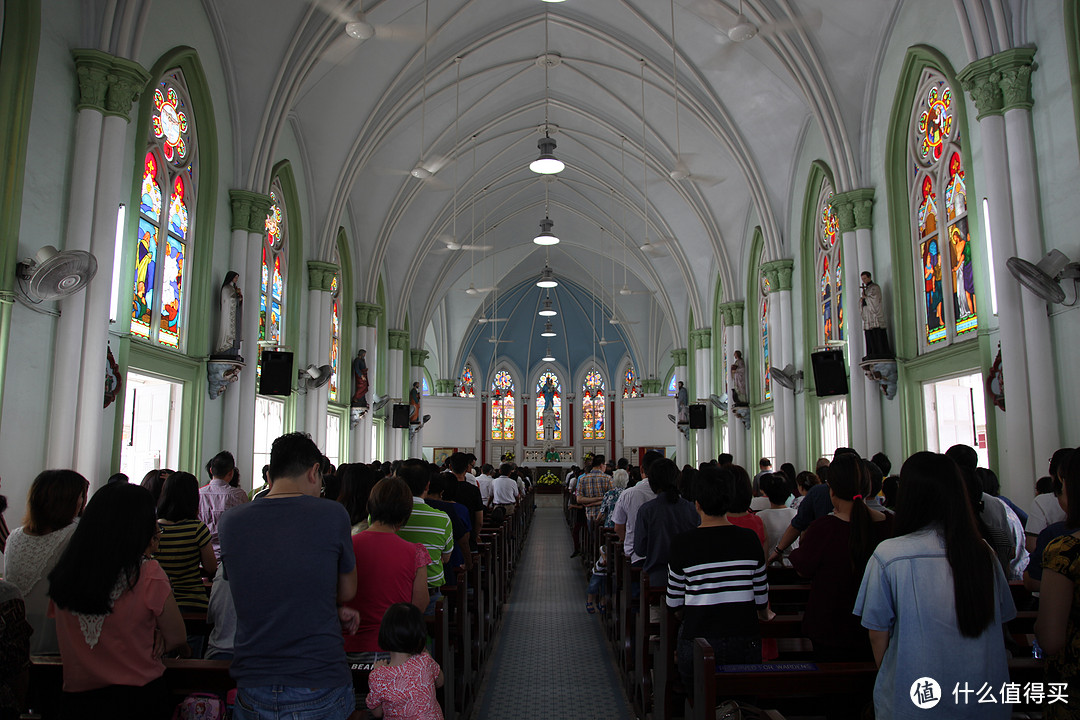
(486, 320)
(357, 29)
(657, 248)
(738, 28)
(473, 290)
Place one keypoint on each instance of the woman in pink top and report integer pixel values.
(403, 687)
(114, 609)
(390, 570)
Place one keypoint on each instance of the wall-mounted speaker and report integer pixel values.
(399, 418)
(830, 372)
(697, 417)
(277, 372)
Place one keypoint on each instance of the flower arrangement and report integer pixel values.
(586, 461)
(508, 456)
(549, 479)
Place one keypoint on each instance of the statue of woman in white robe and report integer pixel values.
(231, 312)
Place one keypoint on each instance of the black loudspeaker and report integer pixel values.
(697, 417)
(277, 372)
(830, 372)
(400, 417)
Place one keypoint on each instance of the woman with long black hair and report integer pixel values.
(115, 611)
(661, 519)
(934, 599)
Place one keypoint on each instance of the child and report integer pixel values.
(403, 688)
(598, 583)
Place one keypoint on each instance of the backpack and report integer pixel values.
(200, 706)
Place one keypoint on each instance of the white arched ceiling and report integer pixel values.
(357, 111)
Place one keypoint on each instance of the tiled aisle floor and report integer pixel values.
(551, 659)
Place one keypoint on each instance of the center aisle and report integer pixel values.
(551, 658)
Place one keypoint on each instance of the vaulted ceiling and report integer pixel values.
(471, 103)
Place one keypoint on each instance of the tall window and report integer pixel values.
(335, 337)
(502, 406)
(425, 387)
(943, 259)
(829, 269)
(272, 294)
(592, 407)
(834, 426)
(556, 404)
(465, 384)
(672, 386)
(169, 170)
(631, 385)
(766, 357)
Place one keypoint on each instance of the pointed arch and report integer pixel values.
(504, 398)
(557, 391)
(594, 420)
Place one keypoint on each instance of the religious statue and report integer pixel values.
(682, 405)
(360, 380)
(738, 381)
(873, 318)
(414, 404)
(548, 391)
(231, 311)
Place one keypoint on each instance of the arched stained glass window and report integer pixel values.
(593, 418)
(272, 295)
(766, 357)
(335, 336)
(942, 241)
(425, 386)
(541, 403)
(169, 169)
(672, 386)
(829, 269)
(502, 406)
(466, 388)
(631, 384)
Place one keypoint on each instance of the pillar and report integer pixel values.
(249, 212)
(854, 211)
(399, 345)
(367, 318)
(1016, 442)
(444, 387)
(701, 343)
(417, 358)
(320, 276)
(733, 328)
(682, 445)
(779, 274)
(123, 81)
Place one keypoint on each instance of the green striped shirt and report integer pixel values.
(179, 556)
(431, 528)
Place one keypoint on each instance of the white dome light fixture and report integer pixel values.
(547, 163)
(548, 331)
(547, 310)
(548, 357)
(546, 237)
(360, 30)
(547, 279)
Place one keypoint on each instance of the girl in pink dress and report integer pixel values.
(403, 688)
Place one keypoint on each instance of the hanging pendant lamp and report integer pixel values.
(547, 163)
(548, 331)
(547, 310)
(547, 279)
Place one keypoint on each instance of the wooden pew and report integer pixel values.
(460, 650)
(438, 626)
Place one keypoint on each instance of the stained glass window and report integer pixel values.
(335, 336)
(164, 229)
(672, 386)
(502, 406)
(829, 269)
(425, 388)
(592, 407)
(272, 290)
(541, 404)
(766, 357)
(631, 384)
(465, 384)
(942, 241)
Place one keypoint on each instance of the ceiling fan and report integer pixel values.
(473, 290)
(450, 245)
(357, 29)
(486, 320)
(617, 321)
(738, 28)
(656, 249)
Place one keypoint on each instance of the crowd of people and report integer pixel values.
(910, 570)
(320, 570)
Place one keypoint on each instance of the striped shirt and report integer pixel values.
(432, 529)
(179, 554)
(718, 574)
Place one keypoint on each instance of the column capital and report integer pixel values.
(778, 273)
(701, 339)
(854, 209)
(652, 386)
(418, 356)
(367, 314)
(249, 210)
(679, 356)
(107, 83)
(1000, 82)
(732, 313)
(444, 386)
(321, 275)
(399, 339)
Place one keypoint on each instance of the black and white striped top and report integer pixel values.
(718, 574)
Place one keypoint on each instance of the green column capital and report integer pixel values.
(418, 357)
(1000, 82)
(854, 209)
(367, 314)
(732, 312)
(701, 339)
(321, 275)
(107, 83)
(778, 273)
(398, 339)
(444, 386)
(679, 356)
(652, 386)
(249, 210)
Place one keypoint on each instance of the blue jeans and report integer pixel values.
(278, 702)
